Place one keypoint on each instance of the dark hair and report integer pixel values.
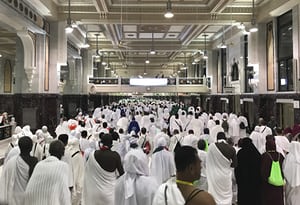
(104, 124)
(57, 149)
(217, 122)
(64, 138)
(185, 156)
(25, 144)
(84, 134)
(121, 131)
(81, 123)
(221, 136)
(191, 132)
(206, 131)
(175, 132)
(115, 136)
(230, 141)
(106, 140)
(143, 130)
(201, 144)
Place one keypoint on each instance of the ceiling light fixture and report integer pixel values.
(69, 28)
(205, 51)
(147, 60)
(253, 21)
(152, 51)
(0, 55)
(169, 13)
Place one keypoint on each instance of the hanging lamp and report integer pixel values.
(69, 28)
(152, 51)
(169, 13)
(253, 21)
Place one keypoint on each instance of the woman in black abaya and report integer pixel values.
(247, 174)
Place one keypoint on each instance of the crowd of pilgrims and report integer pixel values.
(123, 154)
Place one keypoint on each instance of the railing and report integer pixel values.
(174, 85)
(171, 81)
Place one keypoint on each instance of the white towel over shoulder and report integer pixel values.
(219, 175)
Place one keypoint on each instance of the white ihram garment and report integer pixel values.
(162, 163)
(171, 194)
(14, 181)
(219, 176)
(291, 170)
(257, 140)
(135, 187)
(48, 184)
(98, 185)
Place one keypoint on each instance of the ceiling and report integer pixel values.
(129, 29)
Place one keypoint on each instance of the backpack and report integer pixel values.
(146, 146)
(178, 145)
(206, 145)
(242, 125)
(275, 177)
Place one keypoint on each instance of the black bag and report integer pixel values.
(177, 146)
(242, 125)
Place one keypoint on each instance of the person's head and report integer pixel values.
(270, 143)
(279, 131)
(107, 140)
(121, 131)
(115, 136)
(152, 120)
(188, 164)
(206, 131)
(45, 129)
(25, 145)
(245, 142)
(136, 162)
(217, 122)
(230, 141)
(201, 144)
(191, 132)
(261, 121)
(175, 132)
(64, 138)
(133, 141)
(84, 134)
(104, 125)
(57, 149)
(143, 130)
(221, 136)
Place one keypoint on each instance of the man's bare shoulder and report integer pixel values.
(203, 198)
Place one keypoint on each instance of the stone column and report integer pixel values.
(29, 56)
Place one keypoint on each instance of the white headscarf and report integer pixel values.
(26, 131)
(135, 165)
(291, 166)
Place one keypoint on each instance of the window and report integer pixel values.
(285, 52)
